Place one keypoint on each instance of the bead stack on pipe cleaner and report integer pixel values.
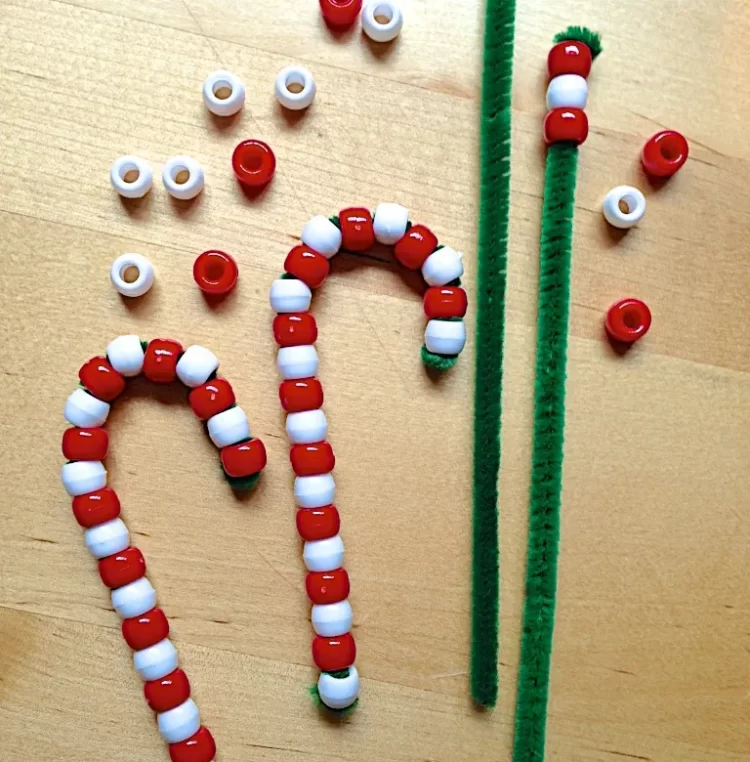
(96, 507)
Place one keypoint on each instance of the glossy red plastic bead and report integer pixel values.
(244, 459)
(145, 630)
(96, 507)
(357, 231)
(253, 163)
(301, 394)
(200, 747)
(341, 13)
(160, 360)
(312, 459)
(664, 153)
(318, 523)
(445, 302)
(332, 654)
(327, 587)
(167, 692)
(295, 328)
(416, 245)
(307, 265)
(628, 320)
(566, 125)
(122, 568)
(569, 57)
(101, 379)
(215, 272)
(85, 444)
(211, 398)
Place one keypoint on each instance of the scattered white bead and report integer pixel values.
(125, 355)
(223, 93)
(324, 555)
(390, 222)
(141, 284)
(84, 410)
(131, 176)
(82, 476)
(154, 662)
(290, 295)
(196, 365)
(630, 197)
(297, 362)
(339, 692)
(183, 177)
(332, 619)
(134, 599)
(295, 77)
(442, 266)
(107, 538)
(445, 337)
(180, 723)
(229, 427)
(382, 20)
(567, 91)
(306, 427)
(314, 491)
(322, 235)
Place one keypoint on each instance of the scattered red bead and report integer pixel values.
(309, 266)
(160, 360)
(327, 587)
(664, 153)
(85, 444)
(244, 459)
(445, 302)
(416, 245)
(628, 320)
(200, 747)
(254, 163)
(341, 13)
(122, 568)
(301, 394)
(566, 125)
(318, 523)
(211, 398)
(333, 654)
(215, 272)
(312, 459)
(96, 507)
(101, 379)
(357, 231)
(167, 692)
(145, 630)
(295, 328)
(569, 57)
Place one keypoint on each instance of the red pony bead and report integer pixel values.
(333, 654)
(416, 245)
(244, 459)
(445, 302)
(211, 398)
(340, 12)
(566, 125)
(96, 507)
(312, 459)
(167, 692)
(569, 57)
(628, 320)
(253, 163)
(85, 444)
(357, 231)
(301, 394)
(309, 266)
(145, 630)
(101, 379)
(327, 587)
(200, 747)
(318, 523)
(664, 153)
(215, 272)
(160, 360)
(122, 568)
(295, 328)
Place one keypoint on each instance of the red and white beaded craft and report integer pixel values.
(96, 507)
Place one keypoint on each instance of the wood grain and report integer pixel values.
(651, 649)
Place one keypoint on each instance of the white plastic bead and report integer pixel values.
(143, 281)
(84, 410)
(154, 662)
(196, 365)
(567, 91)
(324, 555)
(134, 599)
(314, 491)
(290, 295)
(322, 235)
(223, 83)
(339, 692)
(125, 355)
(389, 223)
(297, 362)
(182, 177)
(445, 337)
(229, 427)
(82, 476)
(442, 266)
(306, 427)
(301, 77)
(107, 538)
(389, 28)
(180, 723)
(131, 176)
(632, 198)
(332, 619)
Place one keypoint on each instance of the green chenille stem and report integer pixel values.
(492, 268)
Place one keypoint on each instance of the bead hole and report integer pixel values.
(624, 207)
(383, 14)
(632, 319)
(627, 204)
(130, 273)
(222, 89)
(669, 149)
(252, 162)
(295, 83)
(214, 270)
(180, 175)
(129, 173)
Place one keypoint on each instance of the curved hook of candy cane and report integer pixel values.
(97, 509)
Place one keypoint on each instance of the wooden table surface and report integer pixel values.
(651, 649)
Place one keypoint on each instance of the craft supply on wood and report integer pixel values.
(254, 163)
(624, 206)
(628, 320)
(382, 20)
(132, 275)
(664, 153)
(295, 87)
(223, 93)
(131, 176)
(215, 272)
(340, 13)
(183, 177)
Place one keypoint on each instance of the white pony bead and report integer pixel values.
(291, 79)
(632, 199)
(306, 427)
(196, 365)
(183, 177)
(297, 362)
(229, 427)
(180, 723)
(442, 266)
(314, 491)
(107, 538)
(154, 662)
(322, 235)
(134, 599)
(223, 93)
(84, 410)
(82, 476)
(382, 20)
(567, 91)
(332, 619)
(131, 176)
(290, 295)
(124, 266)
(390, 222)
(445, 337)
(324, 555)
(339, 692)
(125, 355)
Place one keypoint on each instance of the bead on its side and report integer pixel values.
(624, 206)
(665, 153)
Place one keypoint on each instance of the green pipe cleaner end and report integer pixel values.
(584, 35)
(241, 483)
(437, 362)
